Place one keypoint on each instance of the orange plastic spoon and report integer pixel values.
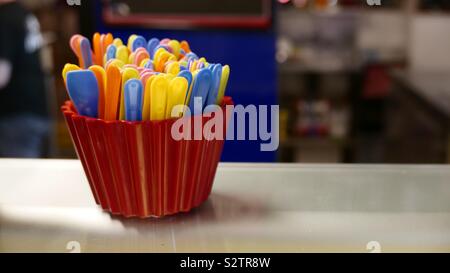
(98, 56)
(100, 74)
(112, 94)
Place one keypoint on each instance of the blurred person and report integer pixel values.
(24, 123)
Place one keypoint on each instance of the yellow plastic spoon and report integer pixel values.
(117, 42)
(122, 54)
(176, 95)
(175, 46)
(158, 100)
(115, 62)
(173, 68)
(223, 83)
(147, 98)
(158, 52)
(131, 41)
(144, 62)
(67, 68)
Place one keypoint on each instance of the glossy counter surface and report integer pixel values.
(46, 205)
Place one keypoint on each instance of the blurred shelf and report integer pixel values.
(430, 88)
(343, 9)
(324, 149)
(311, 142)
(302, 68)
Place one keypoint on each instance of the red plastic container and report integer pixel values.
(136, 169)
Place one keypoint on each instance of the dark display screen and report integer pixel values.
(245, 13)
(193, 7)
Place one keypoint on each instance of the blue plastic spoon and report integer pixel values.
(215, 85)
(86, 52)
(151, 46)
(83, 91)
(161, 46)
(188, 76)
(111, 52)
(139, 42)
(133, 92)
(149, 64)
(202, 83)
(191, 55)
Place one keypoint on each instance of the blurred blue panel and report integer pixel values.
(251, 56)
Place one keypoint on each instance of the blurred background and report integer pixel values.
(356, 83)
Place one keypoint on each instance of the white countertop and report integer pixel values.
(46, 204)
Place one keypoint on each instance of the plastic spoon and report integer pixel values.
(173, 68)
(75, 46)
(158, 52)
(141, 70)
(98, 54)
(100, 74)
(160, 60)
(188, 76)
(112, 94)
(131, 58)
(115, 62)
(85, 47)
(117, 42)
(83, 91)
(185, 46)
(158, 97)
(130, 41)
(133, 100)
(122, 54)
(140, 56)
(175, 46)
(215, 86)
(165, 41)
(111, 52)
(223, 83)
(149, 65)
(127, 74)
(176, 95)
(203, 60)
(107, 40)
(130, 66)
(200, 65)
(145, 76)
(138, 42)
(67, 68)
(202, 83)
(144, 63)
(151, 45)
(147, 96)
(193, 66)
(191, 55)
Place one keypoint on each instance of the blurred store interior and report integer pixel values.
(356, 83)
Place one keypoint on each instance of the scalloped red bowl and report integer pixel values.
(136, 169)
